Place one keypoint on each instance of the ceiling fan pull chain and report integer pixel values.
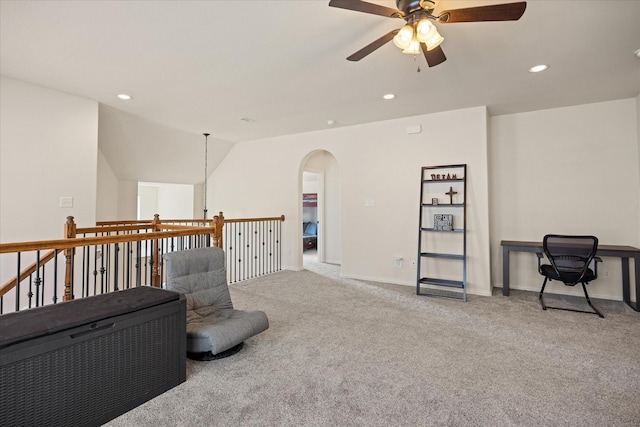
(415, 59)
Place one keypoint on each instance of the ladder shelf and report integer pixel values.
(442, 232)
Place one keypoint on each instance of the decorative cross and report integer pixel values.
(450, 193)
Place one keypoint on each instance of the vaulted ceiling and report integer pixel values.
(246, 70)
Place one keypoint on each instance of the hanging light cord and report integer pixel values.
(206, 158)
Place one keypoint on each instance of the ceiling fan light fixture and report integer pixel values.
(414, 48)
(435, 41)
(404, 37)
(427, 33)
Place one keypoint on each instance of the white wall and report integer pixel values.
(379, 161)
(147, 201)
(48, 150)
(116, 199)
(170, 201)
(568, 170)
(107, 188)
(127, 199)
(198, 202)
(332, 238)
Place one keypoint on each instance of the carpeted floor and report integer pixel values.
(349, 353)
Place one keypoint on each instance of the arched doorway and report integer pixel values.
(321, 208)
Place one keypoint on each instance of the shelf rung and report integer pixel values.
(442, 293)
(455, 230)
(442, 282)
(441, 255)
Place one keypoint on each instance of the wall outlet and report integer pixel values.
(606, 273)
(398, 262)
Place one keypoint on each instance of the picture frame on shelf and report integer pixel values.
(443, 222)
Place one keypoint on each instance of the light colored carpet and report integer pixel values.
(349, 353)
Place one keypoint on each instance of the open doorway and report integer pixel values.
(312, 192)
(320, 204)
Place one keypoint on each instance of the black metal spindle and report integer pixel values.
(86, 251)
(254, 244)
(146, 264)
(263, 248)
(102, 269)
(245, 258)
(127, 269)
(30, 293)
(271, 247)
(161, 244)
(18, 281)
(108, 274)
(73, 271)
(94, 272)
(37, 280)
(55, 276)
(115, 266)
(138, 263)
(278, 242)
(43, 278)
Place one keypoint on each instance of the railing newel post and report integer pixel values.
(217, 224)
(69, 233)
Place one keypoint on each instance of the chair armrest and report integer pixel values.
(596, 260)
(540, 256)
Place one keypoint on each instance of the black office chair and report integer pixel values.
(570, 258)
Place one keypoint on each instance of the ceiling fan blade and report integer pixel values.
(372, 46)
(434, 56)
(363, 6)
(496, 12)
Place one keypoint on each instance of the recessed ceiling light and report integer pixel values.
(125, 96)
(538, 68)
(388, 96)
(331, 122)
(637, 52)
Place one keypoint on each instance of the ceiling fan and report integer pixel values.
(420, 33)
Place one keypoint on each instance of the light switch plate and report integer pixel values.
(66, 202)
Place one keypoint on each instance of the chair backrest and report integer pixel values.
(200, 275)
(570, 256)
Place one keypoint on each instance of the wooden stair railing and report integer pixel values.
(116, 255)
(154, 231)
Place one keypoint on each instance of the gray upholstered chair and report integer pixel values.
(214, 328)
